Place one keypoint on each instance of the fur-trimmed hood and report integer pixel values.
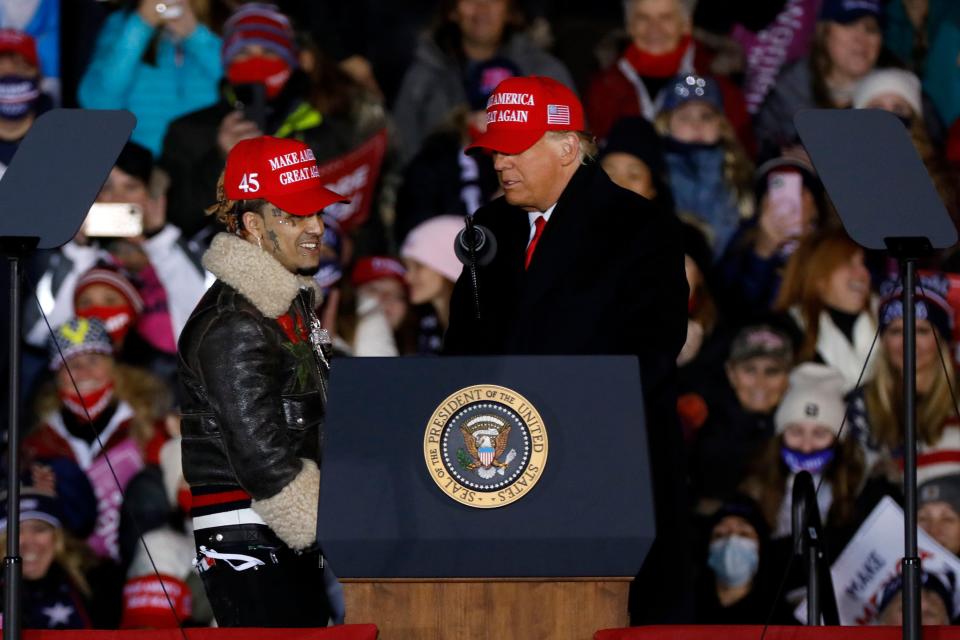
(256, 274)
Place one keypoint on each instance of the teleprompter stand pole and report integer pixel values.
(15, 249)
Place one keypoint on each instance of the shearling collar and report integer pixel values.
(255, 274)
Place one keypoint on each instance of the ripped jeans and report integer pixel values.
(253, 579)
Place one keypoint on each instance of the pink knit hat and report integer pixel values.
(431, 244)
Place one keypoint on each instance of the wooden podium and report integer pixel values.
(427, 546)
(477, 609)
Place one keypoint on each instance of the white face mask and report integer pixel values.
(734, 560)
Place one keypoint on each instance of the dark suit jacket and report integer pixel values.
(607, 277)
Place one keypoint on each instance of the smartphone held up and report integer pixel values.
(114, 220)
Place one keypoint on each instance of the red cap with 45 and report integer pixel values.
(283, 172)
(522, 109)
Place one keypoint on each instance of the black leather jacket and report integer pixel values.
(253, 398)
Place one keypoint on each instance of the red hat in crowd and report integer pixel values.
(282, 172)
(20, 43)
(522, 109)
(145, 604)
(376, 267)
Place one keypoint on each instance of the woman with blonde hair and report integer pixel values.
(826, 291)
(876, 409)
(709, 173)
(56, 593)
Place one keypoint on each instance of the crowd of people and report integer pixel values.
(794, 338)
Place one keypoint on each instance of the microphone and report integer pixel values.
(475, 244)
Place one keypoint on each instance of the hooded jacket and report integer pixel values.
(254, 392)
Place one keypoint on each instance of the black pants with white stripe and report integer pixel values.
(287, 590)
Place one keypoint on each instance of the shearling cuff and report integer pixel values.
(292, 513)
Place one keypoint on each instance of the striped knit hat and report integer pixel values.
(112, 278)
(261, 24)
(76, 336)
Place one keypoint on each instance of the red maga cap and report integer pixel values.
(14, 41)
(521, 110)
(282, 172)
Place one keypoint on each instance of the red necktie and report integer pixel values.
(539, 223)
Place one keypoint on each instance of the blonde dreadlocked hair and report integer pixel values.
(229, 213)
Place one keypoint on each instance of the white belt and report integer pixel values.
(227, 518)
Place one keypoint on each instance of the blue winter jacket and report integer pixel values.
(185, 78)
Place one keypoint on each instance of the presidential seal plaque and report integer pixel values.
(485, 446)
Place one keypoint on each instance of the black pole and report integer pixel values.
(911, 561)
(813, 581)
(13, 563)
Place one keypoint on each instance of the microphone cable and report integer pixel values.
(790, 561)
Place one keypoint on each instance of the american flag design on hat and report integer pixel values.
(558, 114)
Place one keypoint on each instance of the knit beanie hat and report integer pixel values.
(34, 505)
(815, 395)
(687, 87)
(930, 302)
(112, 278)
(897, 81)
(76, 336)
(944, 488)
(431, 244)
(637, 137)
(257, 23)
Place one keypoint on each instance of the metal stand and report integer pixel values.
(911, 560)
(808, 542)
(15, 249)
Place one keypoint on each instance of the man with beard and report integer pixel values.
(254, 364)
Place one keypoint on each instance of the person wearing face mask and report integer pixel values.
(807, 424)
(741, 406)
(734, 588)
(156, 59)
(876, 414)
(164, 269)
(709, 172)
(826, 292)
(21, 100)
(124, 405)
(260, 54)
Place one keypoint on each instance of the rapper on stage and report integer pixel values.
(253, 368)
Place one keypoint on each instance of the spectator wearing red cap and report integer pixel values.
(660, 47)
(469, 33)
(582, 267)
(305, 98)
(254, 365)
(156, 59)
(379, 285)
(21, 100)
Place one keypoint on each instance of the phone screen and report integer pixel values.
(114, 220)
(785, 194)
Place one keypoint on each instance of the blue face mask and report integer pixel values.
(734, 560)
(814, 462)
(17, 96)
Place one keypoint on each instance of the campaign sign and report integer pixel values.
(354, 176)
(873, 558)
